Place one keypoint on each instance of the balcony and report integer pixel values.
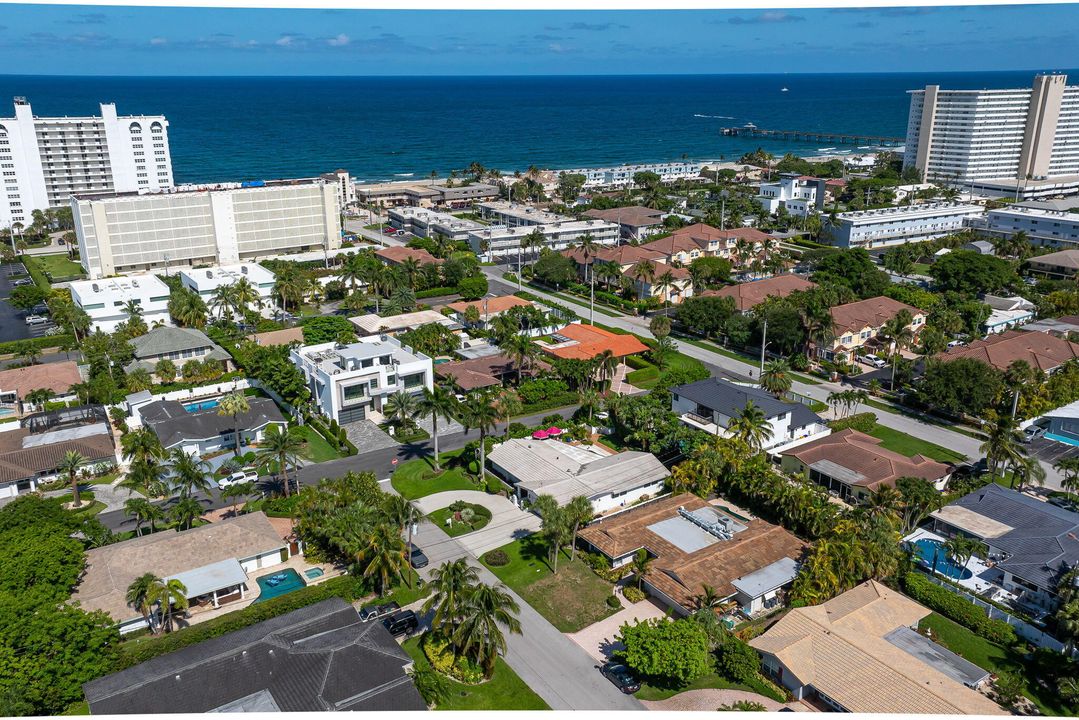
(701, 423)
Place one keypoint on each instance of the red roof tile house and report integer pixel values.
(857, 324)
(17, 383)
(700, 240)
(584, 342)
(749, 295)
(625, 256)
(1041, 351)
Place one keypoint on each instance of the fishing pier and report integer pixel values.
(812, 136)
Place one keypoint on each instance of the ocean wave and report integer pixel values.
(717, 117)
(403, 174)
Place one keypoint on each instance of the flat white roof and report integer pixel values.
(372, 324)
(498, 231)
(864, 217)
(127, 285)
(213, 277)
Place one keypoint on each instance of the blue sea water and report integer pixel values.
(250, 128)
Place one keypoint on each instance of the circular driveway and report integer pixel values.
(508, 522)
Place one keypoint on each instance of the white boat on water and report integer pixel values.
(784, 90)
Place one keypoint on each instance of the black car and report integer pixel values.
(376, 611)
(403, 622)
(416, 557)
(620, 675)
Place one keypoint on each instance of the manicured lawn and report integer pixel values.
(907, 445)
(920, 269)
(572, 599)
(504, 691)
(417, 478)
(712, 681)
(317, 450)
(459, 527)
(59, 266)
(995, 658)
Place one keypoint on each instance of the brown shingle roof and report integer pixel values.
(58, 377)
(480, 372)
(863, 455)
(873, 313)
(1066, 259)
(18, 463)
(1041, 351)
(678, 574)
(634, 215)
(397, 255)
(748, 295)
(278, 337)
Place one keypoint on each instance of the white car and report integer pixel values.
(33, 320)
(956, 343)
(238, 478)
(872, 360)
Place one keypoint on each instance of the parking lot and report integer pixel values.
(1050, 451)
(12, 320)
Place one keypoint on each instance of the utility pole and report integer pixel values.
(764, 344)
(592, 293)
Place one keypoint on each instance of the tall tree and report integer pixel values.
(435, 403)
(281, 448)
(70, 466)
(487, 610)
(234, 405)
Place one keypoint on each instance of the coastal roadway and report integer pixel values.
(909, 422)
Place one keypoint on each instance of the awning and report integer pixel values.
(208, 578)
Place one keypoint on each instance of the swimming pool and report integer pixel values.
(313, 573)
(932, 552)
(289, 580)
(204, 405)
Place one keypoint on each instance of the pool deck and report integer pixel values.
(984, 580)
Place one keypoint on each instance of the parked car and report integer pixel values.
(621, 677)
(872, 360)
(23, 283)
(238, 478)
(36, 320)
(956, 343)
(1035, 430)
(416, 557)
(402, 622)
(376, 611)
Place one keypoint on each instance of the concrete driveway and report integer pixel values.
(598, 639)
(508, 522)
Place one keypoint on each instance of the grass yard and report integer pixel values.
(995, 658)
(711, 681)
(920, 269)
(504, 691)
(317, 450)
(907, 445)
(59, 267)
(456, 527)
(417, 478)
(572, 599)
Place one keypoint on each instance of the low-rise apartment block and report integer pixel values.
(205, 281)
(622, 175)
(1044, 224)
(418, 194)
(105, 300)
(898, 225)
(512, 214)
(634, 221)
(430, 223)
(351, 382)
(504, 242)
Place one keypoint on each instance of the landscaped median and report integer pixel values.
(460, 518)
(418, 478)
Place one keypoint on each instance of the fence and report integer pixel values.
(1022, 628)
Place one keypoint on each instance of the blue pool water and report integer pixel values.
(313, 573)
(291, 581)
(930, 551)
(204, 405)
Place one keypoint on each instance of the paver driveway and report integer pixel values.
(598, 639)
(508, 522)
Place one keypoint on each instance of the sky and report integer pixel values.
(100, 40)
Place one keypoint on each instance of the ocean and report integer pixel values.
(383, 128)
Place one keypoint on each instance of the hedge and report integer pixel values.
(39, 343)
(35, 272)
(643, 375)
(637, 363)
(954, 607)
(436, 292)
(570, 315)
(862, 422)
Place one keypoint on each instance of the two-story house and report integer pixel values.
(856, 325)
(700, 240)
(349, 383)
(178, 345)
(799, 194)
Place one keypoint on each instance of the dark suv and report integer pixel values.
(376, 611)
(416, 557)
(620, 675)
(403, 622)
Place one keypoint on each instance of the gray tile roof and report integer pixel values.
(317, 658)
(173, 424)
(730, 399)
(166, 339)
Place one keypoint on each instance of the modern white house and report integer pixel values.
(512, 214)
(1007, 312)
(799, 194)
(501, 241)
(351, 382)
(220, 224)
(205, 281)
(45, 160)
(884, 227)
(104, 300)
(712, 404)
(423, 222)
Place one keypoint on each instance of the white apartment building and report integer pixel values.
(205, 281)
(429, 223)
(44, 161)
(622, 175)
(346, 188)
(1043, 225)
(511, 214)
(899, 225)
(797, 193)
(221, 224)
(351, 382)
(104, 300)
(1003, 135)
(499, 241)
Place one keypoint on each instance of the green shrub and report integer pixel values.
(433, 688)
(642, 376)
(496, 558)
(737, 660)
(862, 422)
(439, 652)
(38, 343)
(435, 292)
(280, 506)
(535, 391)
(633, 594)
(613, 602)
(955, 607)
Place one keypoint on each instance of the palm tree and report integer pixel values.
(776, 377)
(1069, 466)
(664, 284)
(410, 267)
(450, 584)
(383, 555)
(435, 403)
(479, 413)
(486, 611)
(185, 512)
(521, 350)
(70, 466)
(244, 296)
(171, 594)
(709, 598)
(752, 427)
(606, 365)
(140, 510)
(141, 444)
(141, 596)
(39, 397)
(555, 526)
(401, 408)
(579, 511)
(190, 473)
(222, 301)
(1027, 470)
(281, 447)
(234, 405)
(187, 308)
(403, 514)
(897, 331)
(534, 240)
(642, 564)
(1017, 374)
(644, 272)
(1001, 445)
(139, 379)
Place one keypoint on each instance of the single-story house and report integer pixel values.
(693, 544)
(28, 459)
(199, 429)
(394, 256)
(487, 308)
(580, 341)
(17, 383)
(1007, 312)
(551, 467)
(1042, 351)
(318, 658)
(857, 324)
(853, 464)
(488, 371)
(1030, 541)
(372, 324)
(982, 247)
(749, 295)
(711, 404)
(214, 562)
(1060, 265)
(180, 345)
(859, 652)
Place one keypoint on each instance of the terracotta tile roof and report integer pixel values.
(679, 273)
(58, 377)
(1041, 351)
(678, 574)
(397, 255)
(491, 306)
(841, 648)
(873, 313)
(278, 337)
(623, 255)
(862, 455)
(674, 244)
(635, 215)
(748, 295)
(481, 372)
(587, 342)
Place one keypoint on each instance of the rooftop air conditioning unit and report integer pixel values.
(95, 288)
(243, 269)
